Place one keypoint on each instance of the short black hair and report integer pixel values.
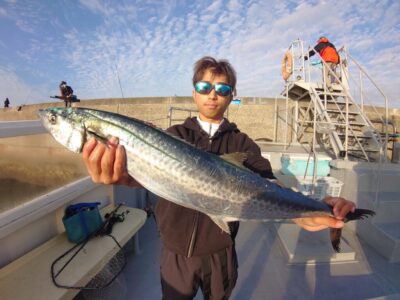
(217, 67)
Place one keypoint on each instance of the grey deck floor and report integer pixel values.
(264, 272)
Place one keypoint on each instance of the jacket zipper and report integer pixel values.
(193, 235)
(210, 139)
(196, 216)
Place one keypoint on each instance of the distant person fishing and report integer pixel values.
(67, 94)
(6, 103)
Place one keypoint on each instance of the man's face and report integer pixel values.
(212, 106)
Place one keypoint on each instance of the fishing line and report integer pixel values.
(119, 81)
(119, 259)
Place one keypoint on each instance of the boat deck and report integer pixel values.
(264, 272)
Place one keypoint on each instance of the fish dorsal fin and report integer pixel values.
(236, 158)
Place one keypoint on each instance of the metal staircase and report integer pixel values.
(337, 120)
(330, 117)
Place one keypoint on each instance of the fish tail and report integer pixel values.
(336, 233)
(359, 214)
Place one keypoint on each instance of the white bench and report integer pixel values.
(29, 276)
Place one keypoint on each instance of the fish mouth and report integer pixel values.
(41, 112)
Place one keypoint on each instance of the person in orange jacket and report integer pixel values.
(329, 54)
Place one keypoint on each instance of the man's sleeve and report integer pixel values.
(320, 46)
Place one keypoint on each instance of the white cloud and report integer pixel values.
(3, 12)
(18, 91)
(152, 45)
(97, 6)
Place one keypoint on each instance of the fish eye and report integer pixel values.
(53, 119)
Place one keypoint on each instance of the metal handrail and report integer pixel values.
(384, 144)
(386, 100)
(172, 108)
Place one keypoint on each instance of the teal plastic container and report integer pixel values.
(81, 220)
(296, 165)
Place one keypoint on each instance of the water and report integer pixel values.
(31, 166)
(14, 193)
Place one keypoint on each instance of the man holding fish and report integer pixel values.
(195, 251)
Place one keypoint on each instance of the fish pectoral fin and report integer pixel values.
(222, 223)
(236, 158)
(101, 139)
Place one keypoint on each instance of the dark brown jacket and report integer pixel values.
(191, 233)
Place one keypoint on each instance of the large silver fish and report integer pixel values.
(218, 186)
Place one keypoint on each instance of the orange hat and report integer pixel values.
(323, 39)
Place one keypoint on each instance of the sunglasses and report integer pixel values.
(205, 87)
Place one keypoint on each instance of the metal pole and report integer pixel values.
(275, 119)
(346, 137)
(386, 128)
(286, 121)
(361, 93)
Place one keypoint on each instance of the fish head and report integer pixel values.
(66, 125)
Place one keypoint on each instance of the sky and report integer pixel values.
(113, 49)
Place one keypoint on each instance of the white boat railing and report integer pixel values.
(29, 223)
(13, 219)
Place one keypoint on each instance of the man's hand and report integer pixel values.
(106, 163)
(340, 206)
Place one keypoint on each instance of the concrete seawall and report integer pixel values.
(255, 116)
(258, 117)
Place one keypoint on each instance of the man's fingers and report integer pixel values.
(309, 224)
(88, 148)
(345, 209)
(120, 162)
(319, 223)
(107, 165)
(329, 222)
(93, 162)
(113, 141)
(331, 200)
(338, 208)
(341, 207)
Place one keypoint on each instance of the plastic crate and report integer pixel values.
(296, 165)
(333, 186)
(324, 186)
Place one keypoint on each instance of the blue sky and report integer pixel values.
(151, 46)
